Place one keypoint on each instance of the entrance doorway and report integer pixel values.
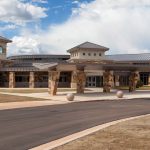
(124, 80)
(91, 81)
(144, 78)
(94, 81)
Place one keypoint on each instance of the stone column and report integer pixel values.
(53, 82)
(31, 80)
(133, 78)
(11, 79)
(107, 81)
(116, 80)
(73, 81)
(79, 77)
(149, 80)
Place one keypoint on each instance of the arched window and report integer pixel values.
(1, 50)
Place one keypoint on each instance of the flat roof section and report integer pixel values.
(130, 57)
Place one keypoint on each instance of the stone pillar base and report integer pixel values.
(79, 79)
(107, 81)
(53, 82)
(31, 80)
(73, 85)
(133, 78)
(11, 79)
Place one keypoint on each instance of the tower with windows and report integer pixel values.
(87, 52)
(3, 47)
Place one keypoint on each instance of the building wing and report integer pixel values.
(129, 57)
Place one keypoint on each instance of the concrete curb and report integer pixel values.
(67, 139)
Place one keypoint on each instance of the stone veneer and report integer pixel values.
(79, 78)
(107, 81)
(53, 81)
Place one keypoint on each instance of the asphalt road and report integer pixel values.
(29, 127)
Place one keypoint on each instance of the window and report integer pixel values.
(83, 54)
(89, 54)
(63, 79)
(1, 50)
(144, 78)
(22, 79)
(64, 58)
(94, 54)
(37, 58)
(100, 54)
(45, 78)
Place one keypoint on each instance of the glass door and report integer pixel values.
(144, 78)
(91, 81)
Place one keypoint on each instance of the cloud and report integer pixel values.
(19, 12)
(7, 27)
(75, 2)
(40, 1)
(24, 45)
(121, 25)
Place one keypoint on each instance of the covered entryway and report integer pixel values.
(65, 79)
(22, 79)
(144, 77)
(4, 79)
(41, 79)
(94, 81)
(91, 81)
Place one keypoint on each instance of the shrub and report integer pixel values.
(139, 84)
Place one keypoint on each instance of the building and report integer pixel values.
(87, 65)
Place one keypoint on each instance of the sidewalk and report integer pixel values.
(60, 98)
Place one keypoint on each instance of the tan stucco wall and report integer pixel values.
(94, 72)
(78, 54)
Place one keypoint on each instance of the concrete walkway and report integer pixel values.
(60, 98)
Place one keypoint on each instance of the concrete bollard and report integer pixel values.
(70, 97)
(119, 94)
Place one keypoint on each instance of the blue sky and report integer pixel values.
(58, 11)
(53, 26)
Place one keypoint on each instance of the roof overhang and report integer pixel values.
(5, 40)
(87, 49)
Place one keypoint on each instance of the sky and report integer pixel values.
(54, 26)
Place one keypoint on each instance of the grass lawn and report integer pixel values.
(127, 88)
(129, 135)
(144, 88)
(36, 90)
(122, 88)
(25, 90)
(4, 98)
